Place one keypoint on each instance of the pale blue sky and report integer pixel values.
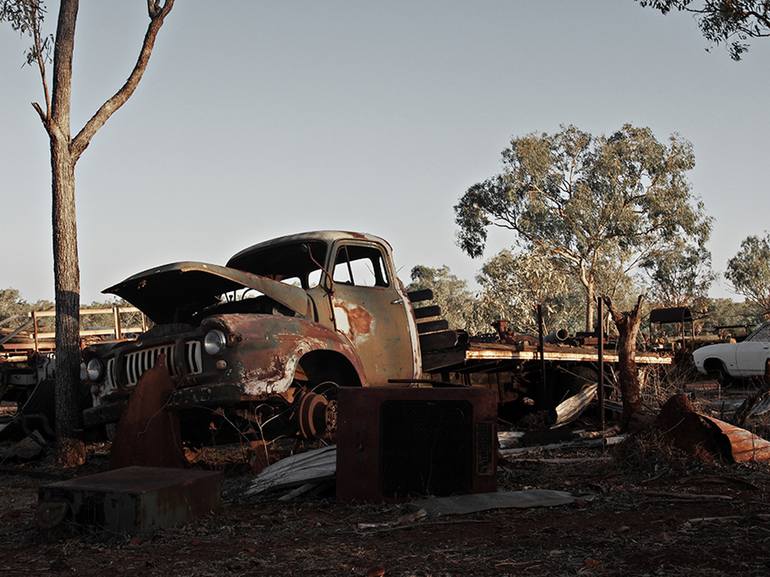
(257, 119)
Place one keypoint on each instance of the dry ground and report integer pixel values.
(629, 520)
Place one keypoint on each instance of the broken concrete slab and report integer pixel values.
(474, 503)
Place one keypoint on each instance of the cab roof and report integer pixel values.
(325, 236)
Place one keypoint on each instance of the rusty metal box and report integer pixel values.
(395, 442)
(133, 499)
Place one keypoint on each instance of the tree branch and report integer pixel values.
(43, 115)
(33, 16)
(83, 138)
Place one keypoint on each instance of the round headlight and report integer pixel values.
(95, 370)
(214, 342)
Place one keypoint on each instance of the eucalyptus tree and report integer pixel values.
(28, 18)
(588, 202)
(731, 22)
(749, 272)
(681, 276)
(512, 284)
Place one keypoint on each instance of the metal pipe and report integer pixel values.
(541, 348)
(34, 330)
(600, 359)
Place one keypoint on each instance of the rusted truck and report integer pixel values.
(263, 343)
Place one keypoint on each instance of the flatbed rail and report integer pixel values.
(474, 353)
(30, 337)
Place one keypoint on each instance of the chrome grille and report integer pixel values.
(109, 374)
(140, 361)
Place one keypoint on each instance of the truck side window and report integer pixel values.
(361, 266)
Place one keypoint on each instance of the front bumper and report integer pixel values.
(209, 395)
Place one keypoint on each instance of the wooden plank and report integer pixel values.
(510, 354)
(87, 311)
(91, 333)
(432, 326)
(426, 312)
(420, 295)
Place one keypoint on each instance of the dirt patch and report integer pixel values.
(625, 522)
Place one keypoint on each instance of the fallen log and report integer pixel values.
(571, 408)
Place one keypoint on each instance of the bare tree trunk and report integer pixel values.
(628, 324)
(65, 152)
(71, 450)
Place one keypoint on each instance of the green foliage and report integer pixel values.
(730, 22)
(11, 304)
(13, 307)
(681, 276)
(26, 17)
(749, 272)
(726, 312)
(590, 203)
(513, 284)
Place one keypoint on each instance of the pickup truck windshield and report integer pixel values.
(296, 263)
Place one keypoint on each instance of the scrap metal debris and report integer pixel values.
(707, 437)
(132, 499)
(147, 433)
(580, 444)
(310, 467)
(476, 502)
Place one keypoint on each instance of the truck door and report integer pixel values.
(752, 353)
(370, 307)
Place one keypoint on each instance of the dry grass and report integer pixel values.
(649, 453)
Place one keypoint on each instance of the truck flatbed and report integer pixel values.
(472, 354)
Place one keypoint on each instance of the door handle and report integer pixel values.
(398, 301)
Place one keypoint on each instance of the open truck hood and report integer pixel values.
(173, 292)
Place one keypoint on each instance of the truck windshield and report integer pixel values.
(297, 264)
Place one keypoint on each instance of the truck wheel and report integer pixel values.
(317, 411)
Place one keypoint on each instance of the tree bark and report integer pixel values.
(628, 324)
(71, 450)
(70, 447)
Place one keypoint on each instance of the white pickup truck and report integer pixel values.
(736, 360)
